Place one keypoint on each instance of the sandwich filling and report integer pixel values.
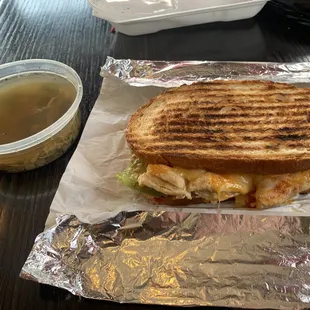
(254, 191)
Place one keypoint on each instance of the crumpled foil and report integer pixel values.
(178, 258)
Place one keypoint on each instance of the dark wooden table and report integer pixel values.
(64, 30)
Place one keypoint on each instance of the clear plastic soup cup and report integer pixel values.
(52, 142)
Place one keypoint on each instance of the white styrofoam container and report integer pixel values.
(136, 17)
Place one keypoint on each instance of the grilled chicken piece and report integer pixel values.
(278, 189)
(162, 186)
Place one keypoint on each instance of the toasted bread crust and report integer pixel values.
(254, 127)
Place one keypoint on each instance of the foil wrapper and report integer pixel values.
(173, 74)
(176, 258)
(182, 259)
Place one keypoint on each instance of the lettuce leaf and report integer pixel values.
(129, 177)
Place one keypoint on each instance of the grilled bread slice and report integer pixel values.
(257, 127)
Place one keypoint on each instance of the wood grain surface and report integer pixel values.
(65, 30)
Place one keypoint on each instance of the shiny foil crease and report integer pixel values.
(179, 259)
(175, 258)
(174, 74)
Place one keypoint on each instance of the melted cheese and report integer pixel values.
(240, 184)
(189, 175)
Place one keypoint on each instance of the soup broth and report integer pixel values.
(31, 103)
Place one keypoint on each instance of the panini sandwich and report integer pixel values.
(210, 142)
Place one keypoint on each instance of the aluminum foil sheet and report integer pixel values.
(173, 74)
(182, 258)
(179, 259)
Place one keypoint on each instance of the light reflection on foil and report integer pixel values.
(173, 74)
(180, 258)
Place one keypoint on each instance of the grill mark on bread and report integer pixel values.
(214, 121)
(232, 136)
(291, 137)
(229, 122)
(235, 108)
(231, 113)
(207, 139)
(246, 129)
(238, 146)
(226, 121)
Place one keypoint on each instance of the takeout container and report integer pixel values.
(136, 17)
(52, 142)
